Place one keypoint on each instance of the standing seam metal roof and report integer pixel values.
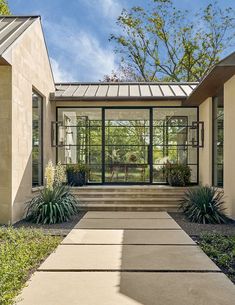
(122, 90)
(11, 27)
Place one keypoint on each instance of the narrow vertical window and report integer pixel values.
(218, 140)
(37, 156)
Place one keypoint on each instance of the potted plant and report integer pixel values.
(77, 174)
(178, 174)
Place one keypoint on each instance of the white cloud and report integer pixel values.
(60, 75)
(109, 8)
(81, 54)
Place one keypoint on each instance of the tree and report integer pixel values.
(4, 8)
(168, 44)
(124, 73)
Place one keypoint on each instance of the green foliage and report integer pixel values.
(21, 251)
(204, 204)
(77, 168)
(4, 8)
(178, 174)
(221, 249)
(170, 44)
(52, 206)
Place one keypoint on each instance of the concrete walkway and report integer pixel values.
(128, 258)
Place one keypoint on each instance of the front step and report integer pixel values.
(128, 198)
(122, 207)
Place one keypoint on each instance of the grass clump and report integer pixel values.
(21, 252)
(221, 249)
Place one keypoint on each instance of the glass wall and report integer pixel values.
(80, 139)
(218, 140)
(173, 140)
(127, 145)
(37, 136)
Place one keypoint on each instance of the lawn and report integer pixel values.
(21, 251)
(221, 249)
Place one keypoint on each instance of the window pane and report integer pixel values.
(172, 140)
(37, 177)
(218, 140)
(80, 138)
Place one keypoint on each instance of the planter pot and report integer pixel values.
(175, 181)
(76, 179)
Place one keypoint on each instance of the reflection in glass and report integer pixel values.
(218, 139)
(80, 138)
(127, 145)
(37, 155)
(172, 140)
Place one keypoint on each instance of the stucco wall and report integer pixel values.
(229, 145)
(205, 153)
(5, 144)
(30, 69)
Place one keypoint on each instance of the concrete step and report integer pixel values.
(126, 199)
(129, 197)
(128, 207)
(127, 194)
(142, 188)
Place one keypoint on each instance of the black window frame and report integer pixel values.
(41, 181)
(103, 108)
(215, 106)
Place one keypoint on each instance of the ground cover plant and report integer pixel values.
(221, 249)
(21, 252)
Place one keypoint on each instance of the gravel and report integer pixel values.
(192, 229)
(196, 229)
(61, 229)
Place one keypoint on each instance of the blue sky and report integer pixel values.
(77, 32)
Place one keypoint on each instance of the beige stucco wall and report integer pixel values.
(30, 70)
(5, 143)
(205, 153)
(229, 145)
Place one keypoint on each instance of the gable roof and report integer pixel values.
(11, 28)
(213, 81)
(122, 91)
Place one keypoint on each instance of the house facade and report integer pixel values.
(124, 132)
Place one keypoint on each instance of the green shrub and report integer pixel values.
(77, 168)
(52, 205)
(21, 251)
(178, 174)
(204, 204)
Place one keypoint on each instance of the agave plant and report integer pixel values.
(55, 203)
(204, 204)
(52, 205)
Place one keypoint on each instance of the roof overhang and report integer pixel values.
(54, 98)
(212, 82)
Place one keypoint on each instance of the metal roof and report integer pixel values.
(122, 91)
(11, 27)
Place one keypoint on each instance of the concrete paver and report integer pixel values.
(128, 257)
(118, 223)
(114, 288)
(178, 271)
(103, 215)
(128, 237)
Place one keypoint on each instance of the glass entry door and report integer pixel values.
(127, 150)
